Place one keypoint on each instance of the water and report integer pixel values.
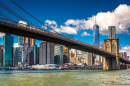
(64, 78)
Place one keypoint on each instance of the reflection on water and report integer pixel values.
(64, 78)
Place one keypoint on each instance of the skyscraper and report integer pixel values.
(89, 58)
(17, 54)
(96, 35)
(31, 55)
(37, 57)
(111, 32)
(20, 40)
(1, 56)
(46, 53)
(29, 41)
(7, 50)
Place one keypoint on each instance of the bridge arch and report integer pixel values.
(108, 47)
(113, 48)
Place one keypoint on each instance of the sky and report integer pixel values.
(75, 18)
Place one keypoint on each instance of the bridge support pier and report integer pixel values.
(111, 63)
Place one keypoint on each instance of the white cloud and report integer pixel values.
(119, 18)
(61, 29)
(126, 49)
(16, 45)
(1, 35)
(85, 34)
(51, 22)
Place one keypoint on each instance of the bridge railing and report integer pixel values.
(41, 31)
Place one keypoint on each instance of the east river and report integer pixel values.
(64, 78)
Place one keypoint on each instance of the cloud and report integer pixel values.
(119, 18)
(61, 29)
(1, 35)
(51, 22)
(126, 49)
(85, 34)
(16, 45)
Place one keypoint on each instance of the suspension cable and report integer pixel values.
(34, 17)
(15, 14)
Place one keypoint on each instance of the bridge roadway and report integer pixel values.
(12, 27)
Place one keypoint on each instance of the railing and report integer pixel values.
(41, 31)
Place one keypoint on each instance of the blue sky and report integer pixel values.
(76, 16)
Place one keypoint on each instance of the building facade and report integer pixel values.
(58, 53)
(17, 55)
(1, 57)
(65, 54)
(37, 62)
(7, 51)
(46, 53)
(23, 40)
(111, 32)
(31, 55)
(89, 58)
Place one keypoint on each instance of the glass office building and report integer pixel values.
(7, 50)
(96, 35)
(17, 54)
(20, 40)
(58, 54)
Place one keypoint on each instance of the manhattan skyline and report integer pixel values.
(77, 18)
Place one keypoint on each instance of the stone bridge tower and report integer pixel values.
(111, 63)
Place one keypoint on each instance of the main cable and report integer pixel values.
(5, 16)
(34, 17)
(15, 14)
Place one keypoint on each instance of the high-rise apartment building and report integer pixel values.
(58, 53)
(96, 35)
(46, 53)
(89, 58)
(7, 50)
(111, 32)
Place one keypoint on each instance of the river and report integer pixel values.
(64, 78)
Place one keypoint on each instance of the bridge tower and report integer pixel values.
(111, 63)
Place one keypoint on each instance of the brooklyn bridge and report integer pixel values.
(110, 61)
